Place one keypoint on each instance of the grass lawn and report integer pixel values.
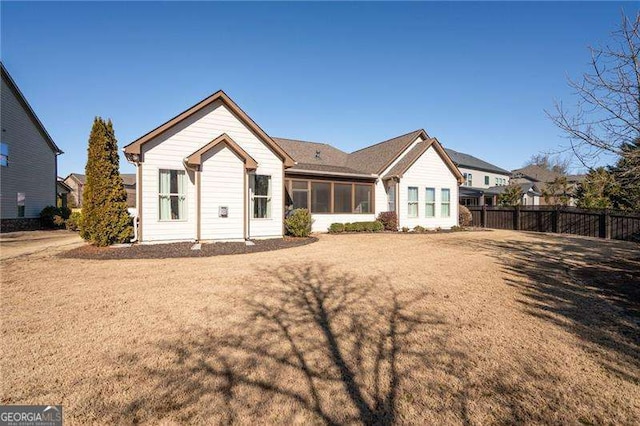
(468, 328)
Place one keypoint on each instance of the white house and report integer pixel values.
(211, 173)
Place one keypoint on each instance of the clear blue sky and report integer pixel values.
(476, 75)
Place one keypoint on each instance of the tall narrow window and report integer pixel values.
(445, 202)
(300, 189)
(173, 195)
(320, 197)
(486, 180)
(342, 198)
(430, 202)
(261, 191)
(391, 197)
(4, 154)
(468, 179)
(21, 203)
(413, 202)
(362, 199)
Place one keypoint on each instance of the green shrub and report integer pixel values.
(389, 220)
(64, 212)
(298, 223)
(74, 222)
(405, 229)
(378, 226)
(58, 221)
(48, 217)
(464, 216)
(419, 229)
(336, 228)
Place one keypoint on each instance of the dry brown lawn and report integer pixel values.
(464, 328)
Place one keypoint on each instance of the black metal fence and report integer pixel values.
(610, 224)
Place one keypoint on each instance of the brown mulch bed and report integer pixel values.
(173, 250)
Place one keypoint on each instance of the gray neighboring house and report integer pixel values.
(542, 178)
(76, 182)
(483, 181)
(28, 161)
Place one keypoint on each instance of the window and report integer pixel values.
(261, 196)
(4, 154)
(445, 202)
(430, 203)
(501, 181)
(362, 199)
(172, 192)
(413, 202)
(320, 197)
(487, 180)
(468, 179)
(300, 189)
(342, 198)
(21, 202)
(391, 198)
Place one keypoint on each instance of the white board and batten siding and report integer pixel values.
(429, 171)
(381, 190)
(168, 150)
(32, 163)
(222, 179)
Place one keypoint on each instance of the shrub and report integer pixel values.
(58, 221)
(419, 229)
(379, 226)
(336, 228)
(74, 222)
(64, 212)
(464, 216)
(405, 229)
(457, 228)
(389, 221)
(299, 223)
(48, 217)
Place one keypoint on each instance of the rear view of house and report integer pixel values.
(28, 161)
(211, 173)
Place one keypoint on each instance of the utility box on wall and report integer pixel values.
(223, 211)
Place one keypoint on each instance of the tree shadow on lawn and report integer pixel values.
(589, 287)
(315, 346)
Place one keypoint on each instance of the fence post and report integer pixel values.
(516, 221)
(556, 220)
(483, 216)
(607, 224)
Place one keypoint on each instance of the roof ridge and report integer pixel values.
(387, 140)
(303, 141)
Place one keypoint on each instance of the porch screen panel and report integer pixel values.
(363, 195)
(341, 198)
(320, 197)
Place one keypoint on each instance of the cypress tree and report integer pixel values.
(105, 219)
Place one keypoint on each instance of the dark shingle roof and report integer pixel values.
(536, 173)
(374, 158)
(465, 160)
(312, 152)
(128, 179)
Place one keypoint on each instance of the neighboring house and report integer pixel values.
(76, 182)
(28, 161)
(542, 178)
(62, 191)
(211, 173)
(483, 181)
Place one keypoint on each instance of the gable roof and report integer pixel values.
(376, 158)
(195, 159)
(466, 160)
(412, 156)
(536, 173)
(32, 115)
(135, 146)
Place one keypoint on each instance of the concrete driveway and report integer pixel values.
(18, 244)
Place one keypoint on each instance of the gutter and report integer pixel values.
(315, 172)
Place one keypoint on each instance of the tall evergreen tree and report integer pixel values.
(511, 196)
(597, 190)
(627, 174)
(105, 219)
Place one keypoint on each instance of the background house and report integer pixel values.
(28, 161)
(76, 182)
(543, 180)
(483, 181)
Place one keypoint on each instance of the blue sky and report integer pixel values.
(478, 76)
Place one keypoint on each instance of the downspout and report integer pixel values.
(135, 160)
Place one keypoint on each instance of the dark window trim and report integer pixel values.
(289, 188)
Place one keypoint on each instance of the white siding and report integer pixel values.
(429, 171)
(222, 182)
(32, 162)
(479, 175)
(168, 151)
(321, 222)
